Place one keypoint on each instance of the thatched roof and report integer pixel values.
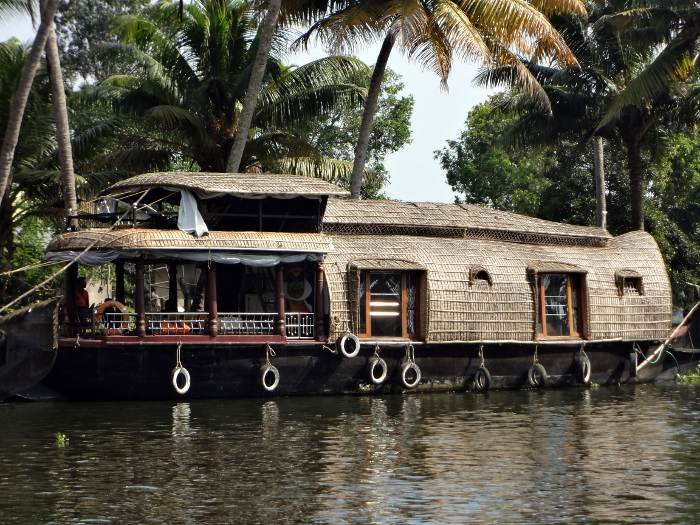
(452, 220)
(246, 185)
(145, 238)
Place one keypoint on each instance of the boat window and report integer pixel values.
(629, 282)
(559, 303)
(632, 286)
(388, 303)
(477, 274)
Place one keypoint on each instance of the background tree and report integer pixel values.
(186, 78)
(335, 135)
(32, 202)
(80, 25)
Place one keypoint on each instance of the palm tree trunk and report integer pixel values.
(60, 110)
(635, 166)
(599, 167)
(370, 110)
(254, 85)
(19, 102)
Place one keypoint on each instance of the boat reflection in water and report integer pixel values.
(615, 455)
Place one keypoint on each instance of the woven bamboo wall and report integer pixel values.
(505, 310)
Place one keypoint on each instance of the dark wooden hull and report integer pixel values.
(123, 368)
(28, 346)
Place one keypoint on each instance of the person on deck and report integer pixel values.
(82, 298)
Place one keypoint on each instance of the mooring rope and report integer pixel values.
(269, 352)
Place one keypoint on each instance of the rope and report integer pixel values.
(410, 354)
(658, 358)
(582, 349)
(481, 356)
(28, 267)
(331, 350)
(269, 352)
(376, 350)
(178, 364)
(59, 272)
(534, 362)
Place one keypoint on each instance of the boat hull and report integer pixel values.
(126, 369)
(28, 343)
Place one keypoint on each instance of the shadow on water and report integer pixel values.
(608, 455)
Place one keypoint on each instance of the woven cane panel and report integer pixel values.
(242, 184)
(451, 220)
(505, 310)
(144, 238)
(456, 233)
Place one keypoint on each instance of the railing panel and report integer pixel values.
(176, 323)
(300, 325)
(247, 323)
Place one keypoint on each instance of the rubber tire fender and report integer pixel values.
(263, 377)
(174, 376)
(482, 380)
(349, 345)
(406, 369)
(582, 366)
(537, 376)
(375, 363)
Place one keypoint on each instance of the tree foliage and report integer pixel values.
(83, 24)
(335, 135)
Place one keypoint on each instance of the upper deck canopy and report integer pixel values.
(244, 185)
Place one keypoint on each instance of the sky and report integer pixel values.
(438, 116)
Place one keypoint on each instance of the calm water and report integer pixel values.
(607, 455)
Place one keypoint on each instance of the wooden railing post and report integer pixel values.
(212, 307)
(319, 324)
(140, 299)
(280, 325)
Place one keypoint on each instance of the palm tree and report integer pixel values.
(19, 101)
(35, 183)
(245, 118)
(613, 96)
(182, 102)
(62, 127)
(433, 31)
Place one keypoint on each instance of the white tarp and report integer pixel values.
(189, 220)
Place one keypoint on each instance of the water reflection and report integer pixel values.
(613, 455)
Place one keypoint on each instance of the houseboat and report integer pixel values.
(231, 285)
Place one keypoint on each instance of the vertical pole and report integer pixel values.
(140, 299)
(212, 307)
(280, 328)
(171, 306)
(599, 168)
(119, 293)
(319, 315)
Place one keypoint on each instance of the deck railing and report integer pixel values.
(298, 325)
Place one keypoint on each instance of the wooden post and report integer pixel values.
(212, 307)
(319, 324)
(280, 325)
(120, 295)
(171, 305)
(140, 299)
